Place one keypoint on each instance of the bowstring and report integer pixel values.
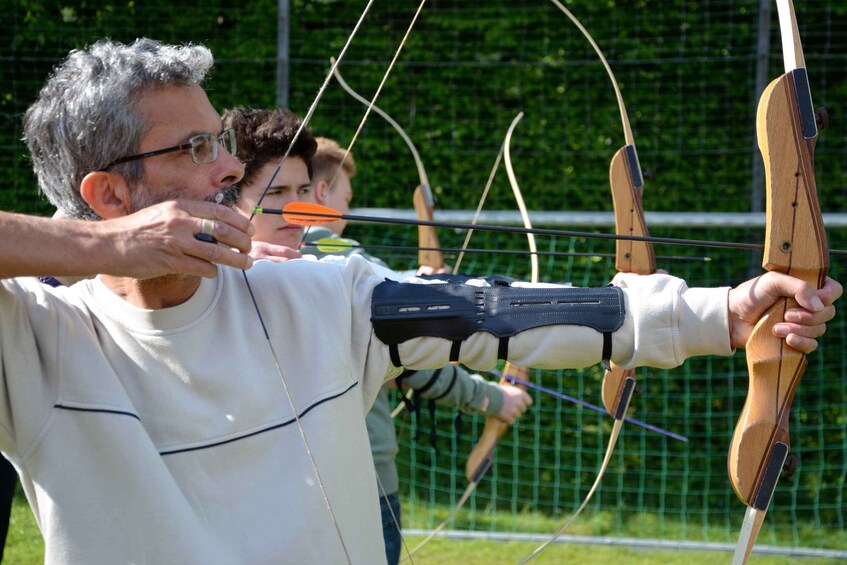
(304, 122)
(302, 431)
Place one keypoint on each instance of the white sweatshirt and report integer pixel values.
(167, 436)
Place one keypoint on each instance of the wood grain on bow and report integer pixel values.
(627, 185)
(795, 244)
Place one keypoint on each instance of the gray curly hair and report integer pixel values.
(85, 116)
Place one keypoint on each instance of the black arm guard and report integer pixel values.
(455, 311)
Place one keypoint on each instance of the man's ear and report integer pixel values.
(106, 193)
(321, 190)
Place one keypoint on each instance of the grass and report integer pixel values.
(638, 525)
(24, 546)
(485, 552)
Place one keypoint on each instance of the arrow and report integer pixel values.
(309, 214)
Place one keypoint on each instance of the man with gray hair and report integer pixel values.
(175, 409)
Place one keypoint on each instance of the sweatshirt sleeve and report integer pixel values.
(452, 385)
(30, 330)
(665, 323)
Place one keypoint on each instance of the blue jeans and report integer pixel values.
(391, 530)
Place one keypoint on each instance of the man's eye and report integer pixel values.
(304, 190)
(201, 149)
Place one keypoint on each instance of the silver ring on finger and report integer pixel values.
(207, 230)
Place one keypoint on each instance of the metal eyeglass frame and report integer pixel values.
(226, 138)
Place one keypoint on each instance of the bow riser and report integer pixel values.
(618, 386)
(775, 372)
(427, 237)
(795, 242)
(627, 190)
(627, 187)
(482, 455)
(795, 245)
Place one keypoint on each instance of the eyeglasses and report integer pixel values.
(203, 148)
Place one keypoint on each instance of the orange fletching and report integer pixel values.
(309, 214)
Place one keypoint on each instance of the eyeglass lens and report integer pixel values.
(204, 148)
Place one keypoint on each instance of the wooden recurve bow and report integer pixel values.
(422, 198)
(482, 455)
(795, 244)
(429, 254)
(627, 183)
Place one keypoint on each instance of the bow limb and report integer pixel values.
(482, 455)
(627, 185)
(516, 190)
(423, 199)
(429, 253)
(618, 383)
(795, 244)
(480, 458)
(478, 211)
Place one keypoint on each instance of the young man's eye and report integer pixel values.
(304, 190)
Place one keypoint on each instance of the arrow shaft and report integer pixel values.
(590, 406)
(294, 216)
(341, 246)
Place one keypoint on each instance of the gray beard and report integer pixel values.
(143, 198)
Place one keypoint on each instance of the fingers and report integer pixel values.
(777, 284)
(213, 255)
(800, 343)
(272, 252)
(801, 326)
(426, 270)
(223, 237)
(515, 403)
(831, 291)
(162, 239)
(807, 318)
(224, 224)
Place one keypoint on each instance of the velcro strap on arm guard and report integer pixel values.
(455, 311)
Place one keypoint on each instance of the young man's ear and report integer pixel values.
(321, 188)
(106, 193)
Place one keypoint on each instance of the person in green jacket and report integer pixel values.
(450, 385)
(263, 137)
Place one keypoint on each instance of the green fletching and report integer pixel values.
(331, 245)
